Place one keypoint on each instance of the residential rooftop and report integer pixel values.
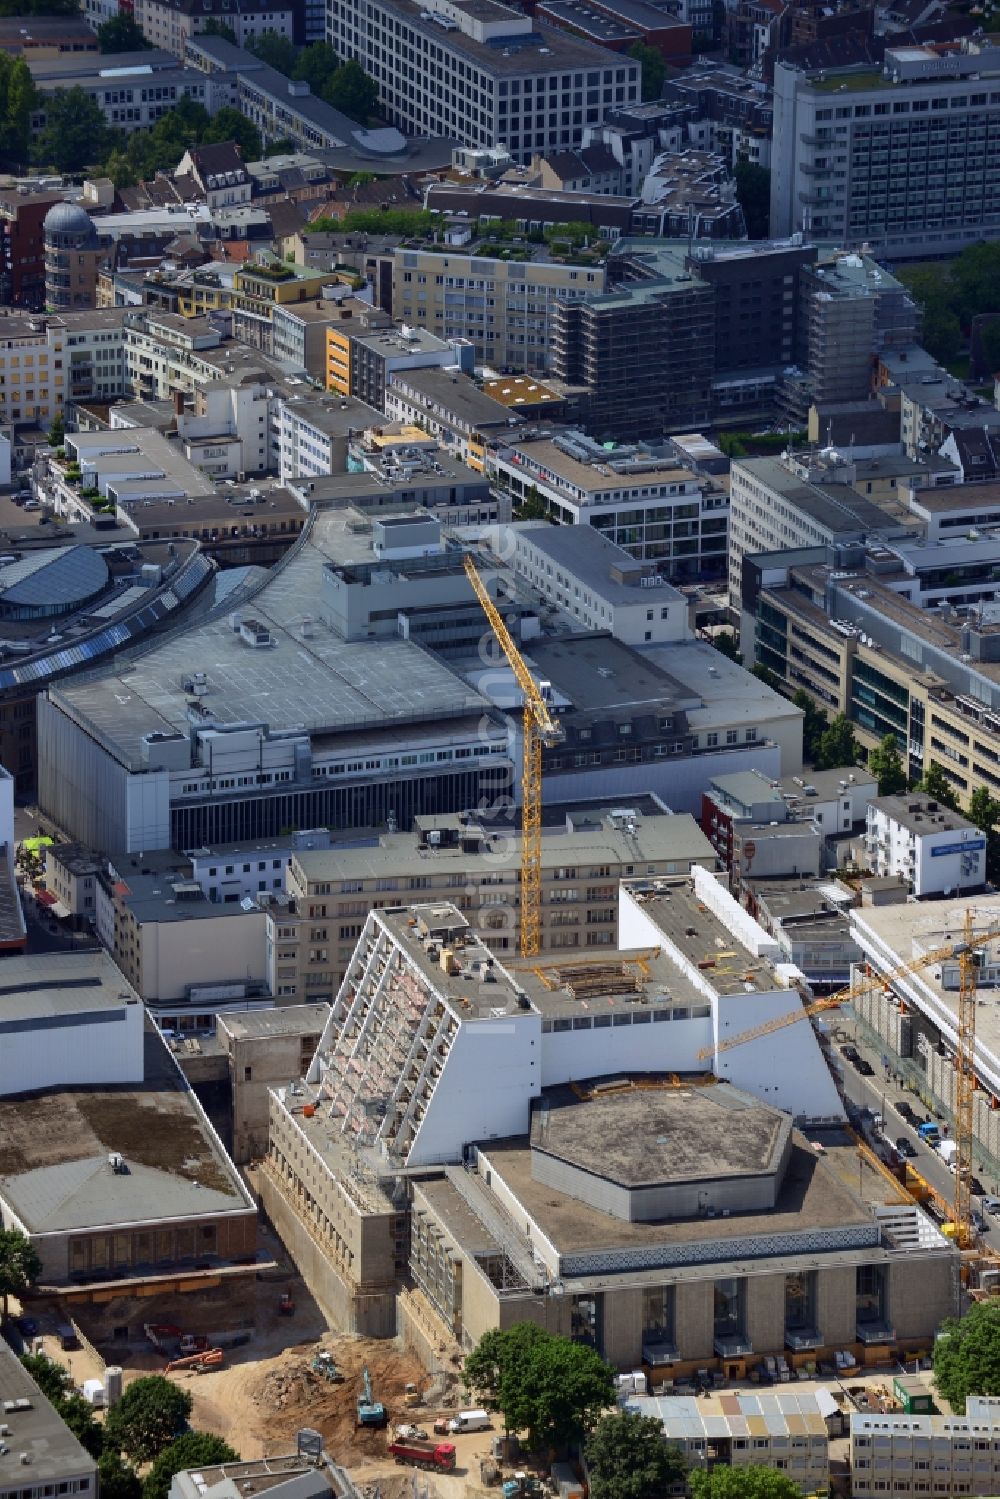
(33, 1427)
(287, 1020)
(452, 393)
(922, 815)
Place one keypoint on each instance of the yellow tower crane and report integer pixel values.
(540, 728)
(969, 954)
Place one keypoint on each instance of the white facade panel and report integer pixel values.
(97, 1048)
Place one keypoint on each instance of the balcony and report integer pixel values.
(802, 1339)
(874, 1334)
(736, 1345)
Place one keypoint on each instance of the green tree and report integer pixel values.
(20, 1266)
(121, 34)
(51, 1378)
(229, 125)
(554, 1389)
(275, 50)
(150, 1415)
(214, 27)
(78, 1415)
(974, 281)
(316, 65)
(654, 69)
(935, 783)
(766, 675)
(942, 334)
(886, 765)
(814, 723)
(989, 342)
(57, 431)
(742, 1483)
(627, 1458)
(195, 1449)
(18, 100)
(967, 1355)
(75, 135)
(837, 745)
(753, 192)
(118, 1480)
(352, 92)
(726, 644)
(532, 507)
(984, 811)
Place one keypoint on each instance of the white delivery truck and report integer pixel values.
(470, 1421)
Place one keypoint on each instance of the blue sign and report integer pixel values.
(973, 846)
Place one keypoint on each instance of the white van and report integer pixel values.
(470, 1421)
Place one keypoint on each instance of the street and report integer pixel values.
(881, 1097)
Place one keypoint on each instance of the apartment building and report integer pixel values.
(897, 157)
(585, 854)
(504, 308)
(299, 333)
(365, 349)
(450, 405)
(73, 254)
(314, 435)
(938, 851)
(914, 1456)
(259, 288)
(22, 247)
(482, 72)
(638, 498)
(172, 23)
(46, 361)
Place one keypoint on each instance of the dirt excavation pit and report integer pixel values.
(258, 1406)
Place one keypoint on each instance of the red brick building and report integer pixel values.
(22, 247)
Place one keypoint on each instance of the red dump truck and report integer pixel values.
(440, 1455)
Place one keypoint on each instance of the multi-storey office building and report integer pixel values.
(842, 632)
(133, 94)
(641, 500)
(365, 348)
(256, 719)
(505, 308)
(450, 405)
(172, 23)
(481, 71)
(584, 856)
(897, 157)
(58, 1461)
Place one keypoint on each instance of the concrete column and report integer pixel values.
(623, 1328)
(693, 1316)
(836, 1288)
(765, 1312)
(921, 1293)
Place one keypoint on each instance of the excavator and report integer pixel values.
(371, 1412)
(198, 1363)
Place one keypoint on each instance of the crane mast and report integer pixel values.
(540, 730)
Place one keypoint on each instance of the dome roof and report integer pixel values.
(52, 581)
(68, 218)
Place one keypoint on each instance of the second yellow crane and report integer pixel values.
(540, 730)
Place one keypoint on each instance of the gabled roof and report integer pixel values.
(217, 165)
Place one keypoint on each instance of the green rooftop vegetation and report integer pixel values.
(851, 82)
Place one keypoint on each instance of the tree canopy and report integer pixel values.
(75, 134)
(654, 69)
(20, 1266)
(951, 295)
(56, 1385)
(837, 745)
(935, 783)
(742, 1483)
(195, 1449)
(17, 100)
(122, 33)
(725, 642)
(151, 1414)
(214, 27)
(548, 1386)
(753, 192)
(228, 124)
(275, 50)
(345, 86)
(886, 765)
(967, 1355)
(627, 1458)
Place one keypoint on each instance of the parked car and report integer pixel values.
(905, 1111)
(905, 1148)
(864, 1067)
(990, 1205)
(850, 1052)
